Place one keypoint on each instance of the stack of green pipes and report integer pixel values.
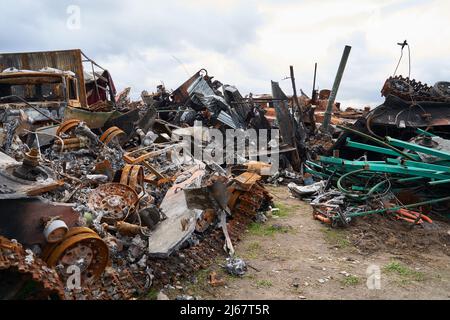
(401, 170)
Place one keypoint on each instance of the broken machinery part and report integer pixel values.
(115, 200)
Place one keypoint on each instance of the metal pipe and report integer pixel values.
(337, 82)
(365, 213)
(418, 148)
(294, 88)
(298, 111)
(313, 95)
(382, 143)
(367, 147)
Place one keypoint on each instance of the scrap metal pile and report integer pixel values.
(410, 176)
(384, 163)
(101, 196)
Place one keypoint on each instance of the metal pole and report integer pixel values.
(313, 95)
(95, 81)
(294, 89)
(298, 111)
(337, 82)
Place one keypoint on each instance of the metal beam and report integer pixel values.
(380, 142)
(419, 148)
(368, 147)
(374, 166)
(423, 165)
(337, 82)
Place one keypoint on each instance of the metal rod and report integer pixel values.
(298, 112)
(365, 213)
(294, 88)
(313, 95)
(380, 142)
(95, 81)
(337, 82)
(367, 147)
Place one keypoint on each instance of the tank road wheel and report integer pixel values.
(110, 134)
(86, 250)
(67, 127)
(133, 176)
(442, 89)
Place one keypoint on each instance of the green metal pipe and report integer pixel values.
(316, 173)
(368, 147)
(419, 148)
(423, 165)
(365, 213)
(382, 143)
(425, 133)
(383, 167)
(411, 179)
(439, 182)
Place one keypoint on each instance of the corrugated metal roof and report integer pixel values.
(225, 118)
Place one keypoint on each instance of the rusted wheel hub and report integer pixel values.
(114, 199)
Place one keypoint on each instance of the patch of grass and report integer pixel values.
(259, 229)
(200, 284)
(256, 229)
(284, 210)
(263, 284)
(152, 294)
(249, 276)
(336, 237)
(203, 275)
(254, 246)
(396, 267)
(351, 280)
(407, 274)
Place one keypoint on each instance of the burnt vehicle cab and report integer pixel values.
(38, 97)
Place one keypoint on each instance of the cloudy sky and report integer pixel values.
(244, 43)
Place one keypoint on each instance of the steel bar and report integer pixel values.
(419, 148)
(384, 144)
(337, 82)
(422, 165)
(368, 147)
(413, 205)
(386, 168)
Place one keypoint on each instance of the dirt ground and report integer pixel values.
(292, 256)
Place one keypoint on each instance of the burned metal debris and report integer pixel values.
(101, 191)
(106, 197)
(384, 163)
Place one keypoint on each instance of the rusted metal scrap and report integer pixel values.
(413, 90)
(21, 270)
(98, 184)
(244, 205)
(181, 220)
